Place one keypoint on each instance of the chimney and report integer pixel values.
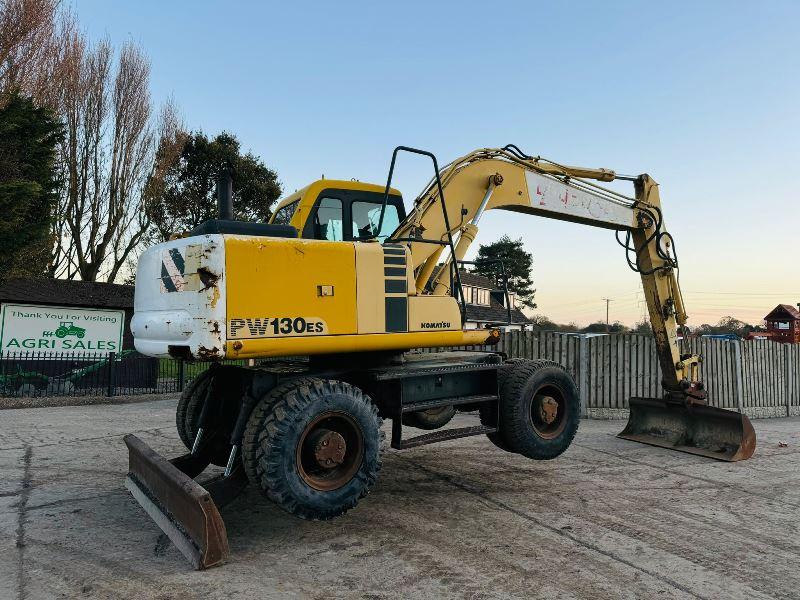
(225, 195)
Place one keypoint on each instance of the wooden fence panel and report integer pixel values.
(766, 375)
(793, 374)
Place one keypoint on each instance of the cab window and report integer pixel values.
(365, 217)
(328, 220)
(284, 215)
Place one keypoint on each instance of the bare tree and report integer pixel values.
(111, 149)
(106, 158)
(29, 40)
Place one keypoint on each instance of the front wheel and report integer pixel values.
(539, 409)
(314, 447)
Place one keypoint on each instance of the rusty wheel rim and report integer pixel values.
(548, 411)
(330, 451)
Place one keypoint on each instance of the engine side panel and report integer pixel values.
(281, 288)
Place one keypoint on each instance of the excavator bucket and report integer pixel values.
(697, 429)
(186, 511)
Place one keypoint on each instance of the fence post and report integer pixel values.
(583, 374)
(181, 375)
(739, 369)
(787, 378)
(111, 359)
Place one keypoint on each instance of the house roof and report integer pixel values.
(468, 278)
(495, 313)
(62, 292)
(783, 311)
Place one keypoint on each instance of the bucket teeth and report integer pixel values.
(701, 430)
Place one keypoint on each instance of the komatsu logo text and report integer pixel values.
(439, 325)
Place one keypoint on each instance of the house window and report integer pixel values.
(469, 294)
(784, 325)
(483, 297)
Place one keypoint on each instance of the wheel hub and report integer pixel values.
(330, 451)
(329, 448)
(548, 409)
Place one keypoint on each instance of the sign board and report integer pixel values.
(59, 330)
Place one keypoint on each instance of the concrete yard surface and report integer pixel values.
(608, 519)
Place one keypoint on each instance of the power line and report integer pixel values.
(746, 293)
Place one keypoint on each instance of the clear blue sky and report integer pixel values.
(704, 96)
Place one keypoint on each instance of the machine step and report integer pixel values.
(459, 400)
(440, 436)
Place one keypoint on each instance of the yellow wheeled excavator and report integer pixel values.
(307, 323)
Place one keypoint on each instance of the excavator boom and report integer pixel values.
(508, 179)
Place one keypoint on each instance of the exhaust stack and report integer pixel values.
(225, 195)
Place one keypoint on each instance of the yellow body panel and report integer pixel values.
(431, 313)
(276, 278)
(289, 296)
(369, 288)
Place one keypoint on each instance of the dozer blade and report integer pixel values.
(702, 430)
(181, 507)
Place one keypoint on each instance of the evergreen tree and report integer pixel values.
(518, 265)
(185, 195)
(28, 187)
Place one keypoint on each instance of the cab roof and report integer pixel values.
(313, 189)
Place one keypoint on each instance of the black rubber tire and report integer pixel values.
(274, 431)
(192, 394)
(251, 438)
(216, 437)
(430, 419)
(488, 412)
(517, 395)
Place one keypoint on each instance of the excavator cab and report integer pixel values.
(337, 210)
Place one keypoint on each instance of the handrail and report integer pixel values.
(462, 303)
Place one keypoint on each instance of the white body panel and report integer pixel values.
(548, 195)
(180, 298)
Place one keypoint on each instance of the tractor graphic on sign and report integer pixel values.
(67, 328)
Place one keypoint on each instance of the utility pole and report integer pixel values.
(607, 301)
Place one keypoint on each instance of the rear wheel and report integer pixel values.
(433, 418)
(226, 393)
(313, 447)
(539, 409)
(193, 394)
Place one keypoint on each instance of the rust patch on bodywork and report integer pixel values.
(209, 280)
(493, 337)
(208, 277)
(212, 353)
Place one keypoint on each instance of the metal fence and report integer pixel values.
(35, 373)
(760, 377)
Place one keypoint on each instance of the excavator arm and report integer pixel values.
(508, 179)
